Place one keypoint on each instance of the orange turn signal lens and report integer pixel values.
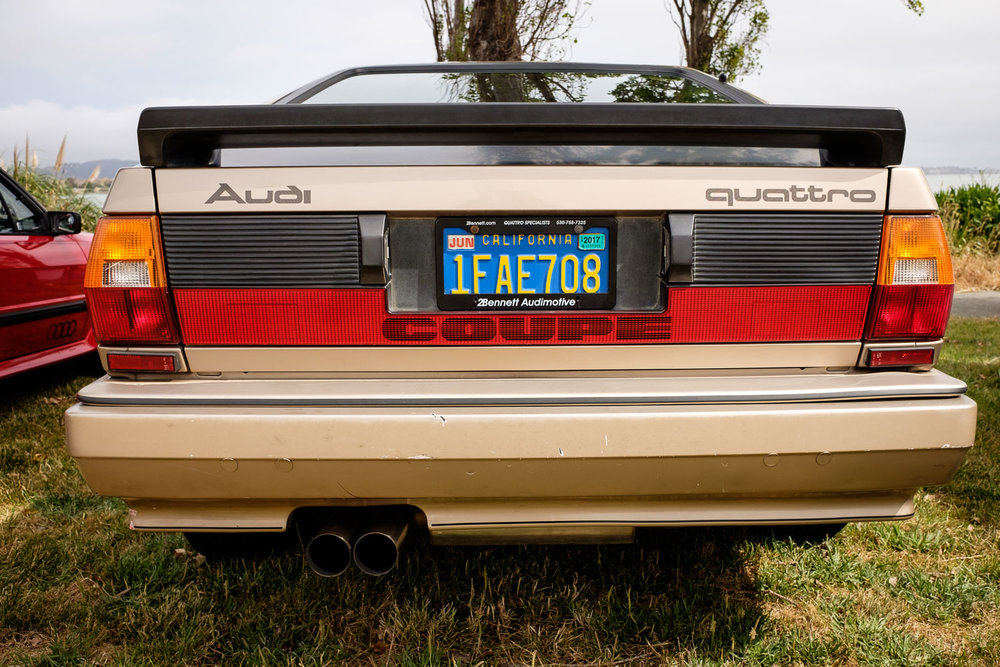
(914, 252)
(126, 253)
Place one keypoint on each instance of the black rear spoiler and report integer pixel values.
(850, 137)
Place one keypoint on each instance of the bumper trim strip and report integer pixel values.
(481, 392)
(653, 522)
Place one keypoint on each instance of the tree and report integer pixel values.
(449, 24)
(491, 30)
(720, 36)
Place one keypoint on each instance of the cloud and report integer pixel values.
(938, 68)
(91, 133)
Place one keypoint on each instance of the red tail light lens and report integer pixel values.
(126, 286)
(131, 315)
(904, 312)
(916, 357)
(141, 362)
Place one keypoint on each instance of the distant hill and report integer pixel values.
(83, 170)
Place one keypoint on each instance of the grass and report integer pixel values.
(76, 587)
(971, 214)
(51, 190)
(976, 271)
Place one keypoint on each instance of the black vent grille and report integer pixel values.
(262, 251)
(771, 249)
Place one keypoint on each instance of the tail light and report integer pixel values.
(142, 362)
(916, 356)
(912, 297)
(126, 283)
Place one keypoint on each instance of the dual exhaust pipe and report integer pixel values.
(374, 549)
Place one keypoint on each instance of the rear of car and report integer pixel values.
(516, 319)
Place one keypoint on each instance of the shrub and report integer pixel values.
(971, 215)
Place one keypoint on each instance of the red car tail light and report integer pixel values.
(126, 283)
(912, 297)
(141, 362)
(920, 356)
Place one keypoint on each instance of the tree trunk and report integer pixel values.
(456, 33)
(493, 31)
(700, 46)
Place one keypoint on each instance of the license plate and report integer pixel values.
(545, 263)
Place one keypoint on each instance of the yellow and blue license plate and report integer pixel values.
(546, 263)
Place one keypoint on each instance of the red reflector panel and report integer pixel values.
(768, 314)
(916, 357)
(910, 311)
(359, 317)
(129, 315)
(141, 362)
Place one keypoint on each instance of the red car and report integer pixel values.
(43, 257)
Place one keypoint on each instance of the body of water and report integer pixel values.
(944, 181)
(96, 198)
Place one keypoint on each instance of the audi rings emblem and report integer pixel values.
(64, 329)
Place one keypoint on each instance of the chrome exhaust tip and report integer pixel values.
(329, 551)
(376, 551)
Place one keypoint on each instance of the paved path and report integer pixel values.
(976, 304)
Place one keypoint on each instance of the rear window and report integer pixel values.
(338, 156)
(472, 87)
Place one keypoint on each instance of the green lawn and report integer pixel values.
(77, 587)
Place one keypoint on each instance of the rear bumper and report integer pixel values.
(526, 454)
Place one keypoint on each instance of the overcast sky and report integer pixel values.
(86, 69)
